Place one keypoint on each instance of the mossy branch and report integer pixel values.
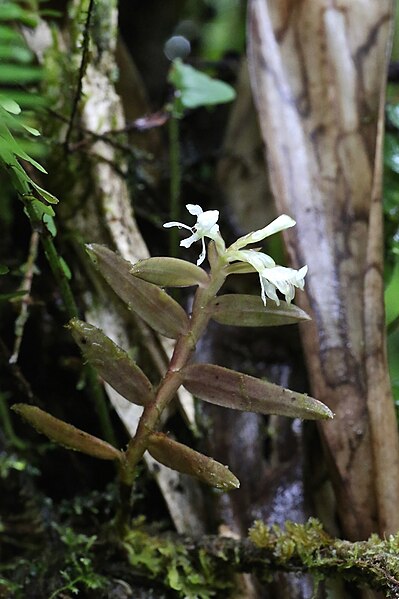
(213, 560)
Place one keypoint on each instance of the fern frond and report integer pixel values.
(18, 70)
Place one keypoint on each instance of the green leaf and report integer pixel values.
(28, 100)
(391, 193)
(198, 89)
(52, 229)
(4, 269)
(41, 208)
(391, 152)
(112, 363)
(393, 360)
(238, 391)
(391, 296)
(13, 295)
(64, 266)
(392, 112)
(15, 74)
(65, 434)
(44, 213)
(31, 130)
(15, 52)
(46, 195)
(7, 34)
(170, 272)
(249, 311)
(10, 105)
(11, 11)
(184, 459)
(10, 144)
(150, 302)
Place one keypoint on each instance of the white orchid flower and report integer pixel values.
(272, 277)
(204, 227)
(281, 278)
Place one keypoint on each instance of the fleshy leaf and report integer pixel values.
(188, 461)
(150, 302)
(65, 434)
(112, 363)
(249, 311)
(238, 391)
(170, 272)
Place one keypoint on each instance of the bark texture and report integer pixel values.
(318, 71)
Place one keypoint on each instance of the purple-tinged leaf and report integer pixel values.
(150, 302)
(65, 434)
(188, 461)
(170, 272)
(238, 391)
(113, 364)
(249, 311)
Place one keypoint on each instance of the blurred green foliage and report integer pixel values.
(19, 101)
(196, 89)
(222, 26)
(391, 213)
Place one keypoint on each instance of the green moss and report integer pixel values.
(309, 548)
(300, 539)
(170, 562)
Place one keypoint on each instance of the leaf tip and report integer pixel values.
(91, 252)
(18, 408)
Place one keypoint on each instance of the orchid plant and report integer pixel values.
(141, 287)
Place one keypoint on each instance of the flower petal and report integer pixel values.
(206, 226)
(279, 224)
(176, 224)
(269, 290)
(194, 209)
(186, 243)
(258, 260)
(202, 254)
(207, 221)
(284, 279)
(301, 273)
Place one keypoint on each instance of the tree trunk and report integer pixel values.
(318, 73)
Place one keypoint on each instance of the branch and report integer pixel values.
(82, 70)
(299, 548)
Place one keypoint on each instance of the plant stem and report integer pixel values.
(25, 301)
(184, 348)
(175, 180)
(94, 386)
(7, 424)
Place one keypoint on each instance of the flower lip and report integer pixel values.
(272, 277)
(195, 209)
(282, 279)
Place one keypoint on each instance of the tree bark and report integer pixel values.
(318, 72)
